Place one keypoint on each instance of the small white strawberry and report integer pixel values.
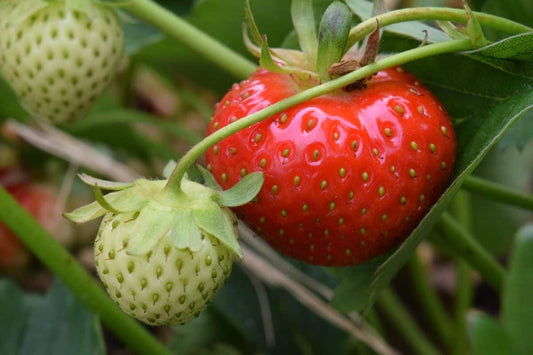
(56, 57)
(162, 256)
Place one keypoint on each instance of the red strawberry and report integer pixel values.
(37, 201)
(347, 175)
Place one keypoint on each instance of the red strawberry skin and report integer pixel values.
(37, 201)
(348, 175)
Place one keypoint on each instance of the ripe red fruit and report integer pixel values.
(37, 201)
(347, 175)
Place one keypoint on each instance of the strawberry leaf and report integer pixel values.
(242, 192)
(185, 233)
(513, 55)
(153, 223)
(487, 336)
(213, 220)
(517, 309)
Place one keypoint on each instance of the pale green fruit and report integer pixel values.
(57, 59)
(166, 286)
(162, 254)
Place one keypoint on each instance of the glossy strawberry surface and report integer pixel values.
(347, 175)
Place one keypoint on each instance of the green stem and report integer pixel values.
(464, 245)
(429, 300)
(192, 37)
(196, 151)
(433, 13)
(498, 192)
(81, 283)
(463, 301)
(404, 323)
(461, 209)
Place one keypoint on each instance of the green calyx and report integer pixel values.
(319, 50)
(185, 218)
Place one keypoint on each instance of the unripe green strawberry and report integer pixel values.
(167, 285)
(56, 58)
(162, 255)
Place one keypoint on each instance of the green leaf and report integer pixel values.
(412, 29)
(138, 35)
(12, 318)
(153, 223)
(184, 232)
(52, 324)
(487, 336)
(353, 291)
(520, 134)
(517, 308)
(332, 36)
(242, 192)
(211, 218)
(493, 223)
(303, 19)
(513, 55)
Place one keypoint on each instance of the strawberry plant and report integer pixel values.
(367, 183)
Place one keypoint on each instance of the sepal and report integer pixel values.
(152, 224)
(212, 219)
(242, 192)
(104, 184)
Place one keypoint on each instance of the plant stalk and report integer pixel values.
(429, 300)
(462, 211)
(498, 192)
(464, 245)
(396, 312)
(81, 283)
(192, 37)
(196, 151)
(366, 27)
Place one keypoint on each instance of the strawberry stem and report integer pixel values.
(498, 192)
(366, 27)
(192, 37)
(81, 283)
(462, 211)
(404, 323)
(430, 302)
(462, 244)
(174, 181)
